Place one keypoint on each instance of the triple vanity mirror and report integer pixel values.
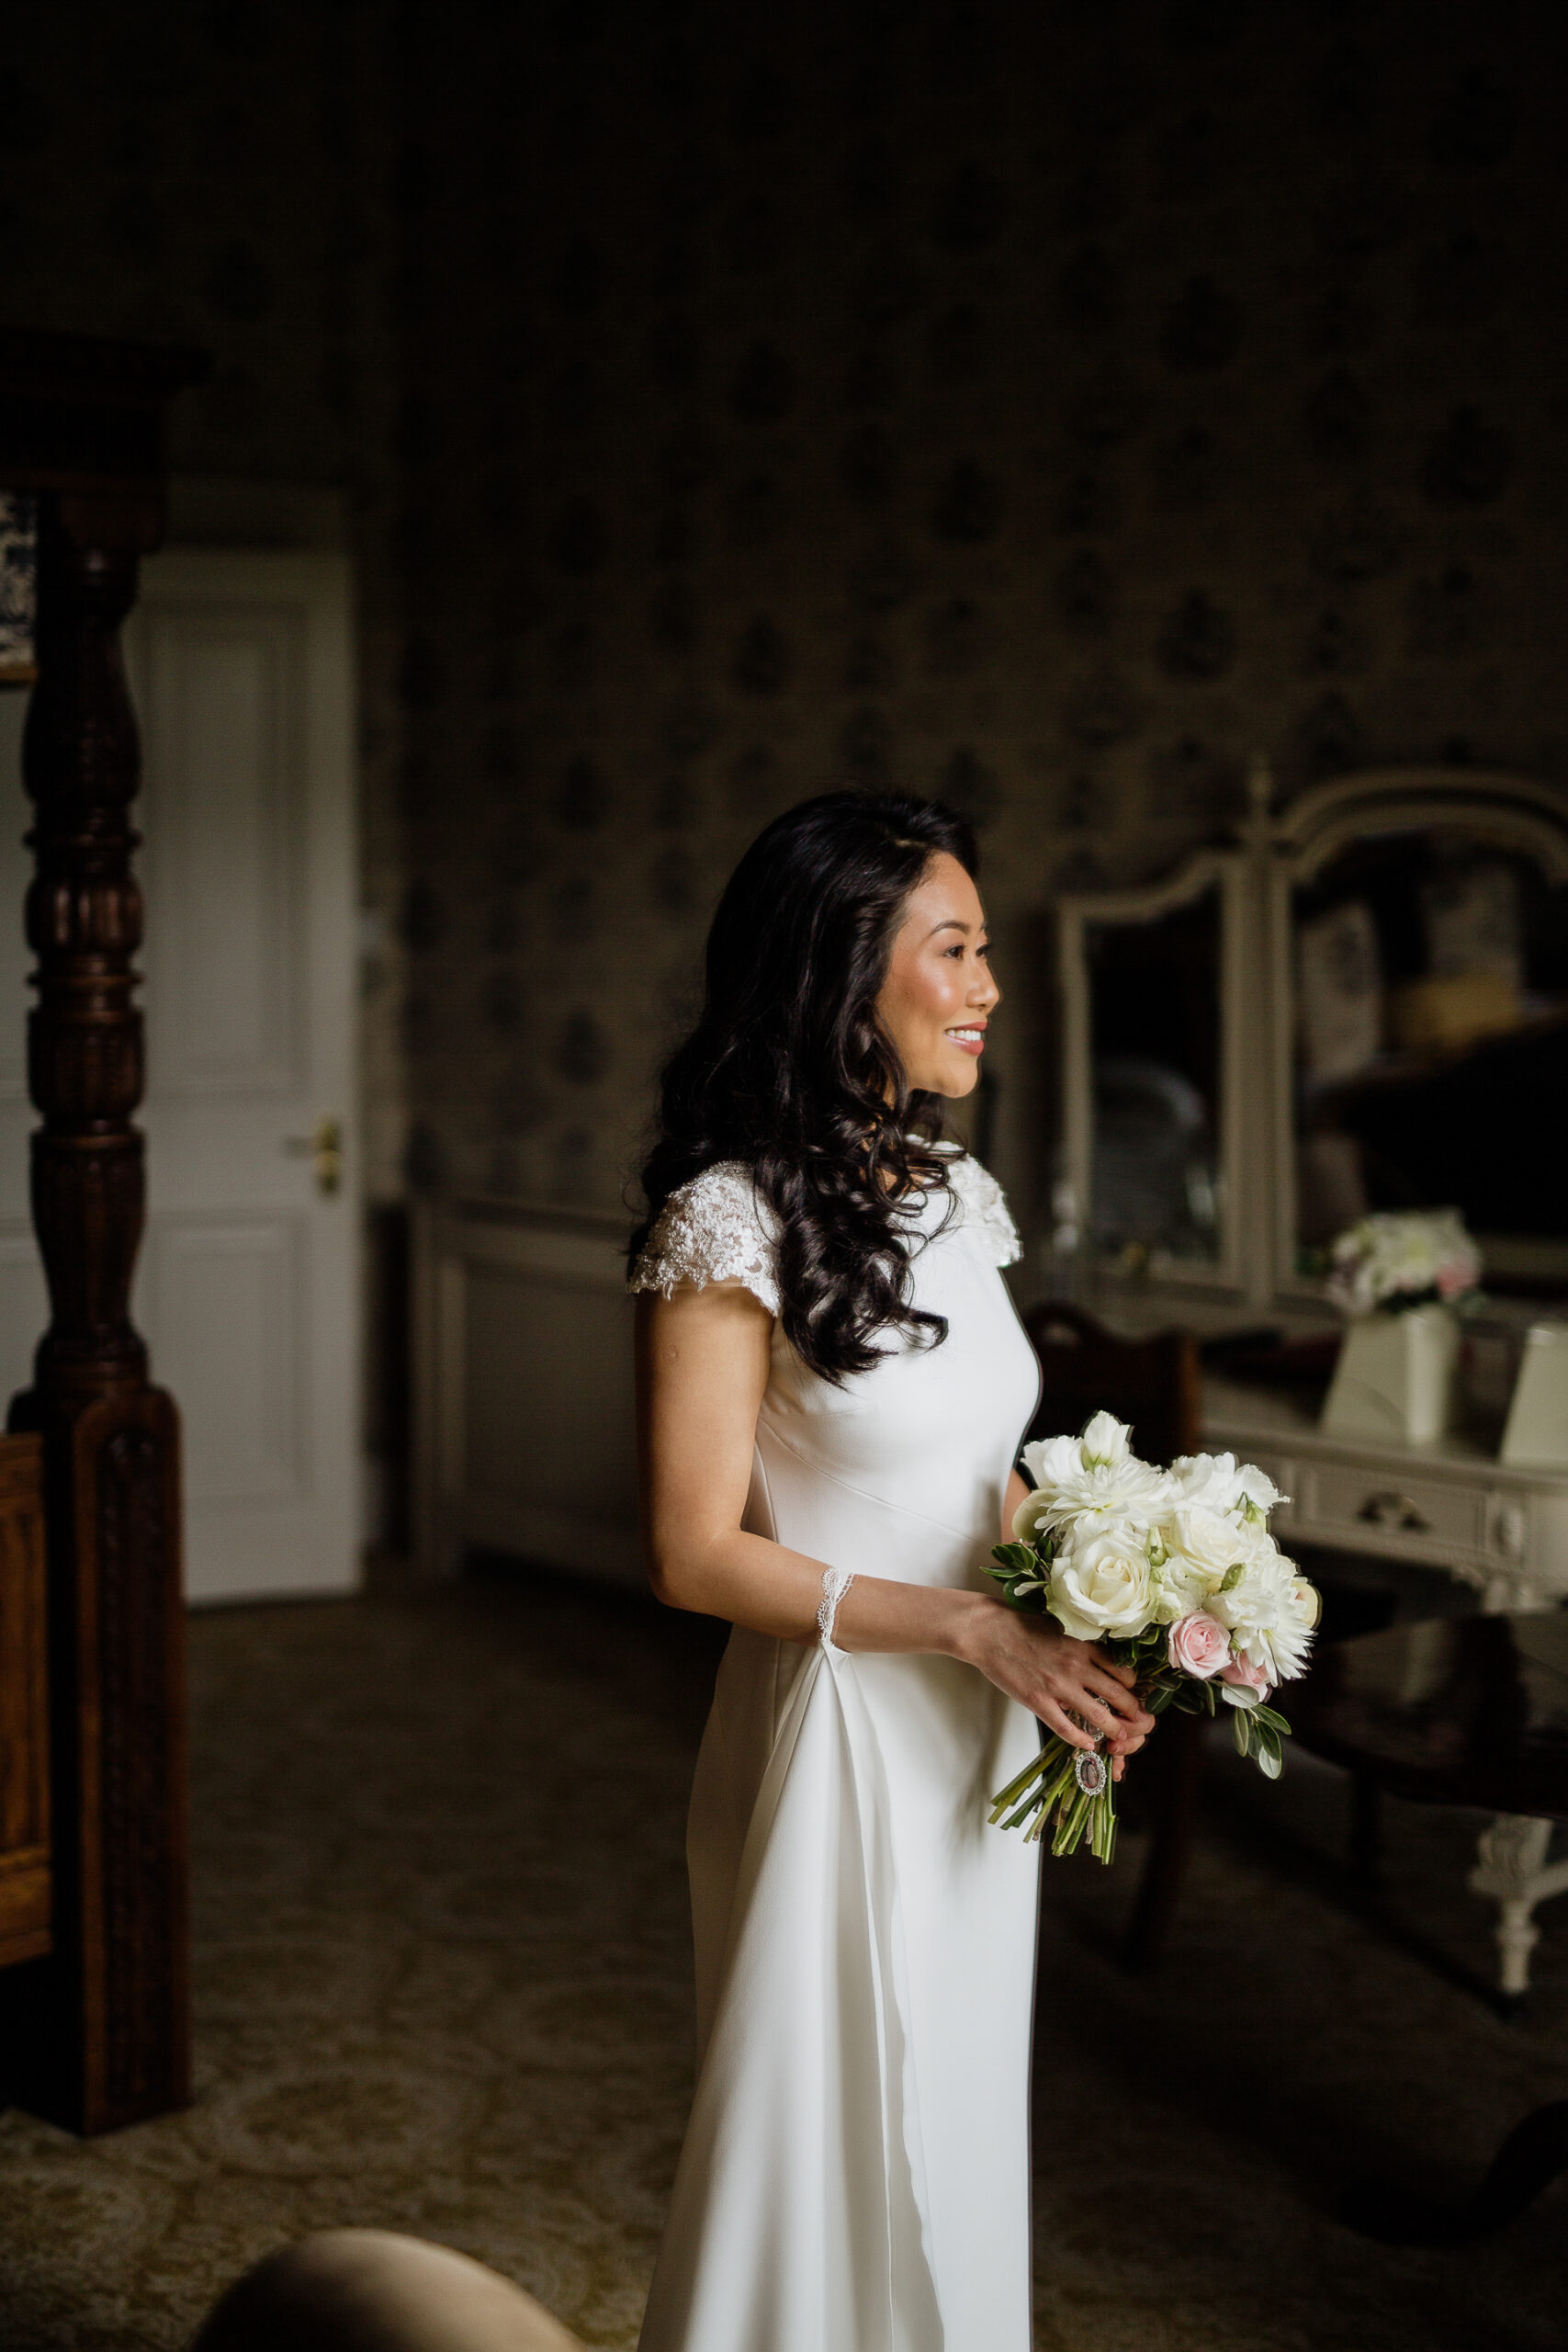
(1362, 1004)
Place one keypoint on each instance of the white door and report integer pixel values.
(247, 1286)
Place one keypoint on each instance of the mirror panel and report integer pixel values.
(1156, 1057)
(1431, 1043)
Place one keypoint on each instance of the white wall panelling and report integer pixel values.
(526, 1439)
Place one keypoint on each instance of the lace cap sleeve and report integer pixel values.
(714, 1229)
(986, 1212)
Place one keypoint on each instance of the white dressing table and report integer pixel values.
(1193, 1137)
(1451, 1505)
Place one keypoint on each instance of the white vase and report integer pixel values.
(1395, 1378)
(1537, 1433)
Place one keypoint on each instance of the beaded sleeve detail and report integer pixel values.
(985, 1213)
(714, 1229)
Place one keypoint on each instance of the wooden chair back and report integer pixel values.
(1084, 1369)
(1155, 1385)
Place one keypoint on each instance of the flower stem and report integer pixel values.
(1046, 1795)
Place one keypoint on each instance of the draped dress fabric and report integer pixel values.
(855, 2173)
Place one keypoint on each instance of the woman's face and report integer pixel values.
(939, 991)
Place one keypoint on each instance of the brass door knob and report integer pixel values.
(323, 1148)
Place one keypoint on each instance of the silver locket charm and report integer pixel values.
(1089, 1772)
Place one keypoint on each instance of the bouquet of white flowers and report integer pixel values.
(1402, 1258)
(1175, 1574)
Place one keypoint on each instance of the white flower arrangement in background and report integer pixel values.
(1402, 1258)
(1175, 1574)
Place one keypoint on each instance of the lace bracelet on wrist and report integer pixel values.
(836, 1582)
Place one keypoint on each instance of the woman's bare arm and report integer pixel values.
(702, 1369)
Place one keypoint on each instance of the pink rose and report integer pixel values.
(1244, 1677)
(1199, 1645)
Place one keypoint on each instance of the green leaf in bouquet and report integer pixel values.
(1270, 1763)
(1021, 1557)
(1276, 1723)
(1241, 1730)
(1191, 1698)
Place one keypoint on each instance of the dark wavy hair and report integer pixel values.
(790, 1071)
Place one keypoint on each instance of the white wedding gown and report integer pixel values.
(855, 2173)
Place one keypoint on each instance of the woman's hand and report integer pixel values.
(1058, 1680)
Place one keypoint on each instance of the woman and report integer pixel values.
(833, 1388)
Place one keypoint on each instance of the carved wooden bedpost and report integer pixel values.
(98, 2034)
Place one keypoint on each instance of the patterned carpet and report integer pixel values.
(442, 1986)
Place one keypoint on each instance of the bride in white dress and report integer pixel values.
(834, 1386)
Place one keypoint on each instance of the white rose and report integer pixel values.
(1200, 1549)
(1101, 1585)
(1180, 1589)
(1210, 1540)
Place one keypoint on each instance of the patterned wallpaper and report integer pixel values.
(1042, 406)
(217, 172)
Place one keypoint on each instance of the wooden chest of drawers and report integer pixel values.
(25, 1879)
